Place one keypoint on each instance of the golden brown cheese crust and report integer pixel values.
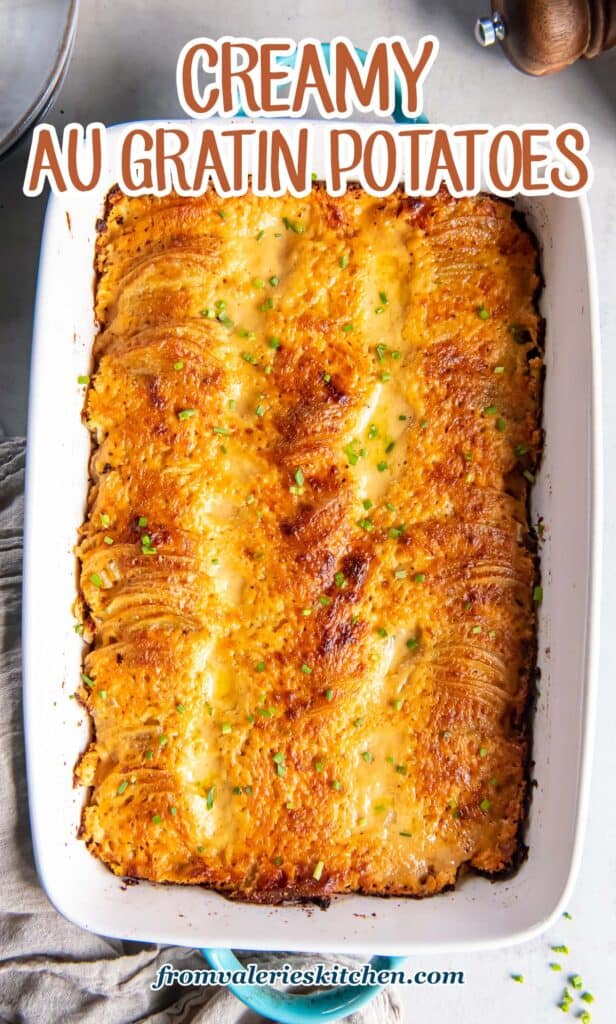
(306, 568)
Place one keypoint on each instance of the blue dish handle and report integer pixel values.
(285, 1008)
(398, 115)
(331, 1004)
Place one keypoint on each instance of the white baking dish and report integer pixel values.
(479, 913)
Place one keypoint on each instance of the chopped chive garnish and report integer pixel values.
(260, 666)
(379, 309)
(395, 532)
(329, 694)
(87, 680)
(225, 320)
(397, 705)
(352, 455)
(382, 632)
(476, 629)
(342, 262)
(293, 225)
(104, 519)
(274, 343)
(499, 369)
(258, 282)
(318, 871)
(211, 795)
(358, 723)
(383, 298)
(366, 524)
(367, 504)
(268, 304)
(208, 313)
(78, 628)
(278, 758)
(243, 333)
(327, 377)
(576, 981)
(83, 379)
(274, 281)
(180, 708)
(335, 784)
(260, 234)
(298, 476)
(179, 365)
(483, 752)
(318, 766)
(485, 805)
(556, 967)
(402, 417)
(490, 410)
(306, 669)
(529, 476)
(482, 312)
(340, 579)
(385, 377)
(381, 466)
(407, 835)
(412, 643)
(390, 447)
(163, 740)
(324, 600)
(306, 612)
(185, 414)
(226, 728)
(367, 756)
(96, 580)
(587, 997)
(122, 787)
(501, 424)
(419, 577)
(347, 328)
(400, 574)
(260, 410)
(156, 819)
(380, 352)
(108, 540)
(517, 977)
(538, 594)
(222, 214)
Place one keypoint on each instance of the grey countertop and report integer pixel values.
(123, 68)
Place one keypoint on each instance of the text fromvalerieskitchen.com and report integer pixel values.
(317, 974)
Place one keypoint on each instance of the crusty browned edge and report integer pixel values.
(291, 895)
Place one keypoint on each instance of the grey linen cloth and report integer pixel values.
(51, 970)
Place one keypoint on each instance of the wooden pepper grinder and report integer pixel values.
(543, 36)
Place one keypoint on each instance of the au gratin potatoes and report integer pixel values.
(308, 578)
